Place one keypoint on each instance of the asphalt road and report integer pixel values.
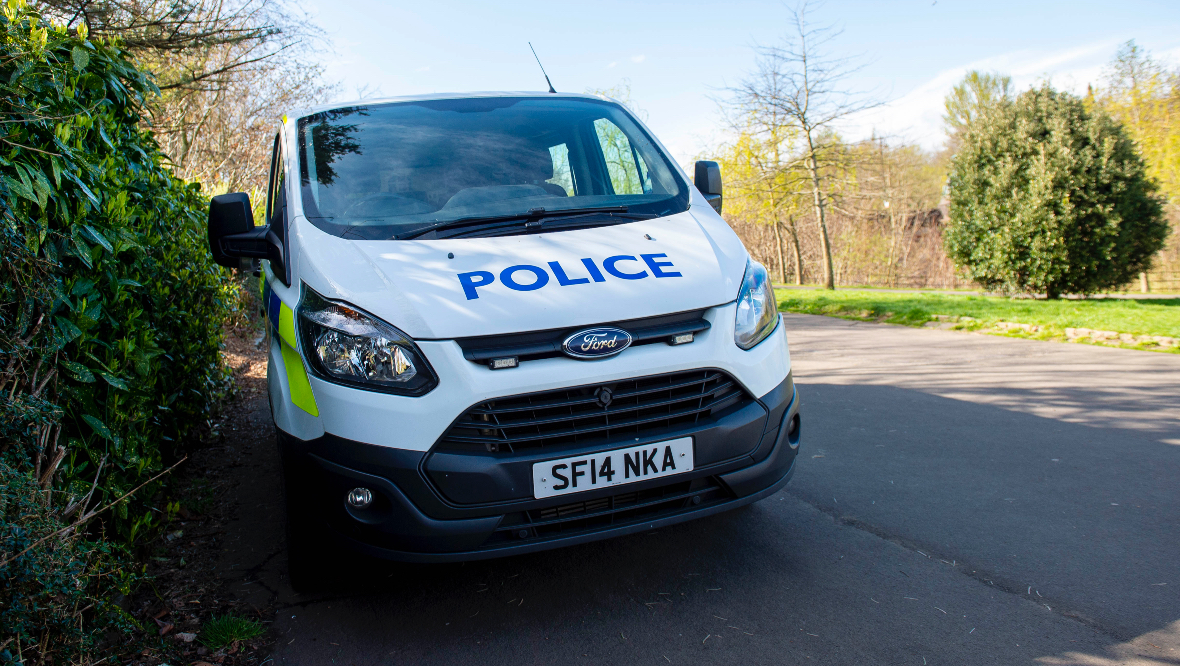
(960, 499)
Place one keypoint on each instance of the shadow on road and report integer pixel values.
(843, 567)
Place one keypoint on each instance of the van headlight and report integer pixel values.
(757, 311)
(347, 346)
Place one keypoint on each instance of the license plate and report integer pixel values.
(612, 468)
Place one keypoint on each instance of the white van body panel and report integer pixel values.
(416, 423)
(416, 287)
(413, 285)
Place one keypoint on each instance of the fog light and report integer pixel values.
(503, 363)
(360, 497)
(682, 339)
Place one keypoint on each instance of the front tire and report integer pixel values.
(307, 559)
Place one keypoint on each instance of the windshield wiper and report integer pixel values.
(533, 220)
(563, 223)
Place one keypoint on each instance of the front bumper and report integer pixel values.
(411, 520)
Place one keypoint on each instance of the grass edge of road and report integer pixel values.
(1141, 324)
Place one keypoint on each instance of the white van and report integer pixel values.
(502, 323)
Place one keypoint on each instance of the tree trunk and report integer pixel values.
(818, 200)
(1144, 285)
(782, 258)
(798, 253)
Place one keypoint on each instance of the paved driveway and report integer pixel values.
(960, 499)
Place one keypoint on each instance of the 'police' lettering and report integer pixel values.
(609, 266)
(658, 266)
(593, 270)
(657, 263)
(562, 278)
(468, 280)
(507, 273)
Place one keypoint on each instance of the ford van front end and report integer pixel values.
(505, 323)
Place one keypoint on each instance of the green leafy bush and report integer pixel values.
(1049, 197)
(110, 320)
(131, 327)
(61, 591)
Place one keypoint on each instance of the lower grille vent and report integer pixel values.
(606, 512)
(598, 412)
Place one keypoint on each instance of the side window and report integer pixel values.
(620, 158)
(276, 209)
(276, 198)
(644, 174)
(563, 177)
(275, 168)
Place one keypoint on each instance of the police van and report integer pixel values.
(501, 323)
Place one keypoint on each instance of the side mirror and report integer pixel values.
(233, 237)
(708, 181)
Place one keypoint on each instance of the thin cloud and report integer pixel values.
(638, 58)
(917, 115)
(612, 65)
(423, 69)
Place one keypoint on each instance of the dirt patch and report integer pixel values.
(190, 566)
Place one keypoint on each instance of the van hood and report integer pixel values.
(453, 288)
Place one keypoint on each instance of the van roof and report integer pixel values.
(307, 111)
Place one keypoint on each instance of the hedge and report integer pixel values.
(111, 318)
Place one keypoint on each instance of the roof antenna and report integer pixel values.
(542, 68)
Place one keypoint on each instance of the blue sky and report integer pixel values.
(679, 56)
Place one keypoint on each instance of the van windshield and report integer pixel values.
(388, 171)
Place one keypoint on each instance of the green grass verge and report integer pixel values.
(222, 631)
(1136, 317)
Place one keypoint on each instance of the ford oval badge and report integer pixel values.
(597, 342)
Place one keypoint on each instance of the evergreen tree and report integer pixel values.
(1049, 197)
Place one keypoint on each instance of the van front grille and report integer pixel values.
(608, 512)
(594, 413)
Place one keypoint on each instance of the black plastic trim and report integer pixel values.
(533, 345)
(523, 547)
(409, 521)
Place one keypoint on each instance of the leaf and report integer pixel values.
(85, 190)
(82, 287)
(80, 57)
(41, 187)
(82, 252)
(99, 427)
(84, 374)
(20, 71)
(23, 190)
(103, 133)
(129, 283)
(98, 237)
(69, 331)
(114, 381)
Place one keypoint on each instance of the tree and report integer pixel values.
(226, 70)
(1049, 197)
(801, 83)
(1144, 95)
(896, 185)
(621, 93)
(969, 98)
(761, 187)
